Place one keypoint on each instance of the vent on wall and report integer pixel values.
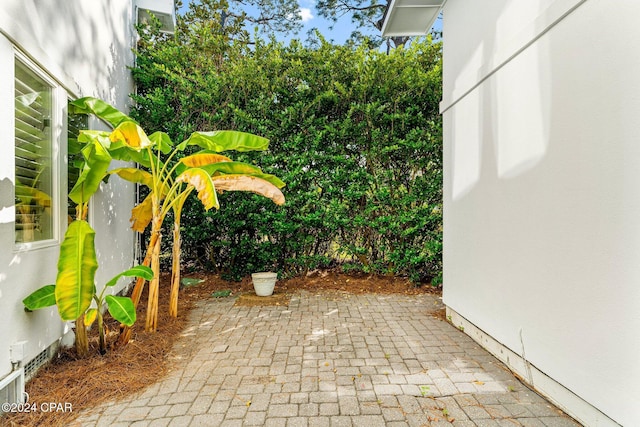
(166, 20)
(12, 388)
(36, 363)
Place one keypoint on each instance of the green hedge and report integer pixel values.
(355, 134)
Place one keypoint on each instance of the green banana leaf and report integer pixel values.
(85, 136)
(77, 267)
(224, 140)
(96, 163)
(100, 109)
(43, 297)
(137, 271)
(162, 140)
(121, 309)
(73, 146)
(120, 151)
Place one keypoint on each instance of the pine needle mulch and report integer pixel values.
(87, 382)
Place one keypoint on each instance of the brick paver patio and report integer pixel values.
(330, 359)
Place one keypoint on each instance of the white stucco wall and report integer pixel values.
(85, 46)
(541, 112)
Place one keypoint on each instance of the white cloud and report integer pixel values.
(305, 14)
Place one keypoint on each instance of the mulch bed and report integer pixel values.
(87, 382)
(252, 300)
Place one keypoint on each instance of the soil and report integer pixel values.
(87, 382)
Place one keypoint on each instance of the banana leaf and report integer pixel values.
(121, 309)
(224, 140)
(43, 297)
(132, 135)
(248, 183)
(77, 267)
(201, 181)
(137, 271)
(100, 109)
(142, 214)
(240, 168)
(96, 163)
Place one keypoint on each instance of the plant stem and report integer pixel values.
(82, 341)
(175, 269)
(125, 331)
(103, 341)
(152, 306)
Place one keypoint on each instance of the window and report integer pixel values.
(34, 167)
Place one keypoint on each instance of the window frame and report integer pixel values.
(59, 98)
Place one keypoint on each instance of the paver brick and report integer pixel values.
(330, 360)
(178, 409)
(206, 420)
(341, 421)
(329, 409)
(282, 410)
(320, 422)
(133, 414)
(297, 422)
(181, 421)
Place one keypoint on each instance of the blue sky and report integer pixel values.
(340, 32)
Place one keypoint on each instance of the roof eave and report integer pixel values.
(402, 18)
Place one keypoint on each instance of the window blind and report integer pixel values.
(33, 143)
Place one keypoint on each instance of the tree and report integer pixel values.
(364, 13)
(235, 17)
(355, 133)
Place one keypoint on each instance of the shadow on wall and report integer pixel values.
(7, 199)
(88, 46)
(510, 110)
(91, 41)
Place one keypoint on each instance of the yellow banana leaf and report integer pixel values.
(142, 214)
(201, 159)
(240, 168)
(201, 181)
(137, 176)
(131, 134)
(90, 317)
(249, 183)
(76, 271)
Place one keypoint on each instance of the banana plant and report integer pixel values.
(96, 158)
(170, 183)
(73, 305)
(74, 288)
